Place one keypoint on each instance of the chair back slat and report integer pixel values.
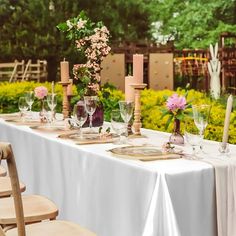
(7, 153)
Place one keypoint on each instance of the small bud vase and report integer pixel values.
(176, 137)
(42, 112)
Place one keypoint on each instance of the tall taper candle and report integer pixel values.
(65, 71)
(129, 91)
(138, 68)
(227, 120)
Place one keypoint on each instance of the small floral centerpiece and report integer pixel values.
(176, 106)
(41, 92)
(91, 41)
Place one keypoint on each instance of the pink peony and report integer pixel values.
(176, 102)
(40, 92)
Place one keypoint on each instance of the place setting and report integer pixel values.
(83, 110)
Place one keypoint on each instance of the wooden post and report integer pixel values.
(137, 108)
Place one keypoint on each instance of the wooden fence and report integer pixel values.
(21, 71)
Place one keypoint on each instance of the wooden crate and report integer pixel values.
(161, 71)
(114, 70)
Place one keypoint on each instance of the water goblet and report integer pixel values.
(29, 97)
(126, 111)
(80, 115)
(117, 124)
(52, 103)
(201, 115)
(90, 106)
(23, 107)
(191, 134)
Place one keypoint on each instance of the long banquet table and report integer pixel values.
(113, 196)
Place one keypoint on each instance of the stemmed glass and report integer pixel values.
(201, 115)
(29, 97)
(90, 106)
(52, 103)
(80, 115)
(23, 107)
(126, 111)
(192, 136)
(117, 124)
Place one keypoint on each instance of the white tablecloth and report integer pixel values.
(113, 196)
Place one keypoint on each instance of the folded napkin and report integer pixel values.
(225, 182)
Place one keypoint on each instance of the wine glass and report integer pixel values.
(201, 115)
(29, 97)
(80, 115)
(23, 107)
(52, 103)
(192, 136)
(126, 111)
(90, 106)
(117, 124)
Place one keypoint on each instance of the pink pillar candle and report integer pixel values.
(65, 71)
(69, 88)
(138, 68)
(129, 91)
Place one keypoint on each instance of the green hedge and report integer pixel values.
(152, 103)
(10, 93)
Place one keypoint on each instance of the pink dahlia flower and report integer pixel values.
(176, 102)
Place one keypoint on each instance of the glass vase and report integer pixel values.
(42, 112)
(176, 137)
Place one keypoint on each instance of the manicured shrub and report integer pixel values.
(10, 93)
(152, 103)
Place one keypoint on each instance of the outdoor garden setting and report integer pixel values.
(117, 117)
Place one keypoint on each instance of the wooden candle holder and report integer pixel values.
(137, 108)
(65, 102)
(70, 107)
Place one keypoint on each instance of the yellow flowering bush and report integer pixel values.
(10, 93)
(152, 103)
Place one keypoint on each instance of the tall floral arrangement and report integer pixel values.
(91, 40)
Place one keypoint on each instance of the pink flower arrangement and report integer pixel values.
(176, 103)
(91, 41)
(175, 107)
(40, 92)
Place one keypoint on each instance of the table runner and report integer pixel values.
(225, 182)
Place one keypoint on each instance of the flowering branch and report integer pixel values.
(91, 40)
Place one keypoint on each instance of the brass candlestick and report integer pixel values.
(137, 108)
(65, 103)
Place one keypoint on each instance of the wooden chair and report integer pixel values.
(36, 208)
(6, 189)
(3, 172)
(47, 228)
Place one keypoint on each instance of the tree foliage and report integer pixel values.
(28, 27)
(195, 24)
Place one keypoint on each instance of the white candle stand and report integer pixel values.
(137, 108)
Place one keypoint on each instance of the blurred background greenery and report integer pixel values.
(28, 27)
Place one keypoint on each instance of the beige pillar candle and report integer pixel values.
(138, 68)
(65, 71)
(227, 120)
(129, 91)
(69, 88)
